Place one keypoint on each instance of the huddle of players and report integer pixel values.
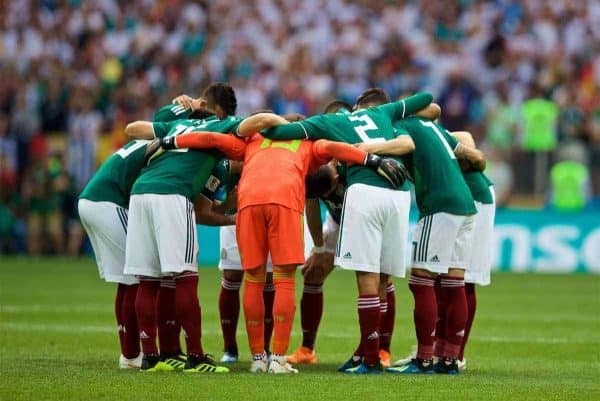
(373, 221)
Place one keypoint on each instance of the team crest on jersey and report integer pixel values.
(223, 253)
(213, 183)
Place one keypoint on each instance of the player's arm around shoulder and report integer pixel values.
(258, 122)
(140, 130)
(398, 146)
(466, 150)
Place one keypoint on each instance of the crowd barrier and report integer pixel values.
(524, 241)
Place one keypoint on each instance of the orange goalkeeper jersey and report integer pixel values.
(274, 171)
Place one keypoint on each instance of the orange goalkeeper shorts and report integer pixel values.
(270, 228)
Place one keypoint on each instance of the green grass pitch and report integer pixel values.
(536, 337)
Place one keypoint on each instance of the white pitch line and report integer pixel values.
(107, 308)
(65, 328)
(49, 308)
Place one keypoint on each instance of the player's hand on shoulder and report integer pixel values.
(390, 169)
(184, 100)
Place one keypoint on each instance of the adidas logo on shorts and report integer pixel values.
(347, 255)
(144, 335)
(223, 253)
(434, 259)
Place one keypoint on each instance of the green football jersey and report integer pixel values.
(182, 171)
(372, 124)
(114, 179)
(172, 112)
(220, 183)
(366, 125)
(479, 185)
(439, 183)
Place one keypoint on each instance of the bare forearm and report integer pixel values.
(395, 147)
(474, 156)
(140, 130)
(258, 122)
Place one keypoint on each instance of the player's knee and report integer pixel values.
(455, 273)
(284, 272)
(233, 276)
(422, 272)
(315, 278)
(368, 283)
(256, 275)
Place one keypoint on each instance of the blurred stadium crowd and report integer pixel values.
(522, 76)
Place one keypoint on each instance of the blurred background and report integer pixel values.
(522, 76)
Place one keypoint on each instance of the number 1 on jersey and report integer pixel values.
(439, 134)
(127, 150)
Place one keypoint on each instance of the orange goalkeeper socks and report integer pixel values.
(254, 309)
(284, 308)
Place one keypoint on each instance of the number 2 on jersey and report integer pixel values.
(435, 129)
(368, 125)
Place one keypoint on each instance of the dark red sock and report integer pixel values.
(387, 318)
(369, 318)
(229, 312)
(121, 288)
(456, 314)
(425, 313)
(130, 347)
(188, 311)
(311, 311)
(269, 299)
(471, 308)
(145, 311)
(440, 327)
(168, 326)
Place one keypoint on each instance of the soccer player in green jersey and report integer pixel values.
(103, 209)
(375, 216)
(103, 212)
(329, 185)
(162, 230)
(479, 268)
(443, 236)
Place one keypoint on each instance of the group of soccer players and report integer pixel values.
(260, 178)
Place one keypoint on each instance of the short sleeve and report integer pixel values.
(171, 112)
(407, 106)
(452, 141)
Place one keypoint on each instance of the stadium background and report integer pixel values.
(522, 76)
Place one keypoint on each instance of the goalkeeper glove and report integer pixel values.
(390, 169)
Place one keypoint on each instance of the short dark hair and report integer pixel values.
(200, 114)
(319, 182)
(223, 95)
(336, 105)
(372, 97)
